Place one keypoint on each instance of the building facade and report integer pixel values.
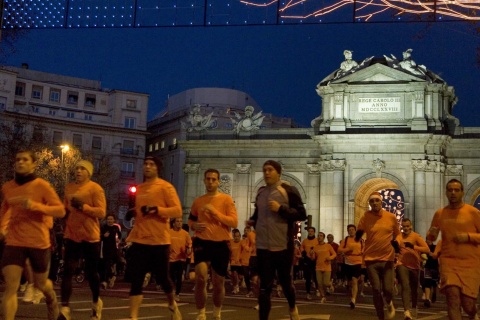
(385, 125)
(100, 122)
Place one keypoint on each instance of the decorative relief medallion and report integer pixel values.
(243, 168)
(313, 168)
(454, 170)
(191, 168)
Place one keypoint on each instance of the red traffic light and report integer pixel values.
(132, 189)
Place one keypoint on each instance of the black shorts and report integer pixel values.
(39, 258)
(215, 252)
(253, 265)
(352, 271)
(237, 269)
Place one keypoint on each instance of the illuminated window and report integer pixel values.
(131, 104)
(150, 148)
(162, 145)
(156, 146)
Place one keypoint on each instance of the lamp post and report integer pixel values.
(65, 148)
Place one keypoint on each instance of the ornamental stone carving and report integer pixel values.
(428, 166)
(226, 184)
(419, 165)
(189, 168)
(243, 168)
(454, 170)
(378, 165)
(313, 168)
(332, 165)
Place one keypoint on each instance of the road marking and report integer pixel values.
(312, 316)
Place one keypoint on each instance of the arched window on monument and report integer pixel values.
(394, 202)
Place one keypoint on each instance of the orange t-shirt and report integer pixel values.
(380, 229)
(322, 252)
(252, 243)
(84, 225)
(352, 250)
(30, 228)
(215, 230)
(307, 245)
(235, 248)
(409, 257)
(153, 229)
(244, 252)
(180, 241)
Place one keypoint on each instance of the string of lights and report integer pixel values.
(164, 13)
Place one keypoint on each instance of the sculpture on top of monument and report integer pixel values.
(198, 122)
(407, 64)
(248, 122)
(348, 63)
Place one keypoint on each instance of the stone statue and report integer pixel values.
(348, 63)
(407, 63)
(249, 121)
(198, 122)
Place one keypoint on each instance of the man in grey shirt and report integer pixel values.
(277, 208)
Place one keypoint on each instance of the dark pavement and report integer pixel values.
(236, 307)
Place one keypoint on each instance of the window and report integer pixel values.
(37, 92)
(52, 112)
(97, 143)
(88, 117)
(156, 146)
(20, 89)
(162, 145)
(90, 100)
(150, 147)
(3, 103)
(127, 170)
(72, 97)
(128, 147)
(54, 95)
(129, 123)
(174, 141)
(57, 138)
(70, 114)
(77, 140)
(131, 104)
(35, 109)
(38, 134)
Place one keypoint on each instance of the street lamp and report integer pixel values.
(65, 148)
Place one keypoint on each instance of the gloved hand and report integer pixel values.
(76, 203)
(409, 245)
(130, 214)
(358, 235)
(395, 246)
(149, 210)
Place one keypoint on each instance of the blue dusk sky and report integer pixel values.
(278, 65)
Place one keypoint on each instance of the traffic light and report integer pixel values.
(308, 222)
(132, 193)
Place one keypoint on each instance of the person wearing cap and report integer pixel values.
(86, 205)
(211, 218)
(381, 228)
(459, 224)
(156, 203)
(278, 206)
(28, 207)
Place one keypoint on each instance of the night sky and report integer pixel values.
(279, 66)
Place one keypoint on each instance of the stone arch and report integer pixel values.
(472, 191)
(369, 183)
(292, 180)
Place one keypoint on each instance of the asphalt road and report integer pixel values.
(236, 307)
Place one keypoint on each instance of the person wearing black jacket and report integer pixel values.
(278, 207)
(109, 234)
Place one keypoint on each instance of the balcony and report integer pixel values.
(129, 151)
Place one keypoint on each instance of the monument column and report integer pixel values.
(419, 168)
(331, 196)
(313, 194)
(191, 171)
(243, 193)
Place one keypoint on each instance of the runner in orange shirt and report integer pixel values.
(352, 250)
(459, 224)
(86, 205)
(408, 267)
(381, 227)
(211, 217)
(156, 203)
(324, 255)
(180, 249)
(28, 207)
(236, 269)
